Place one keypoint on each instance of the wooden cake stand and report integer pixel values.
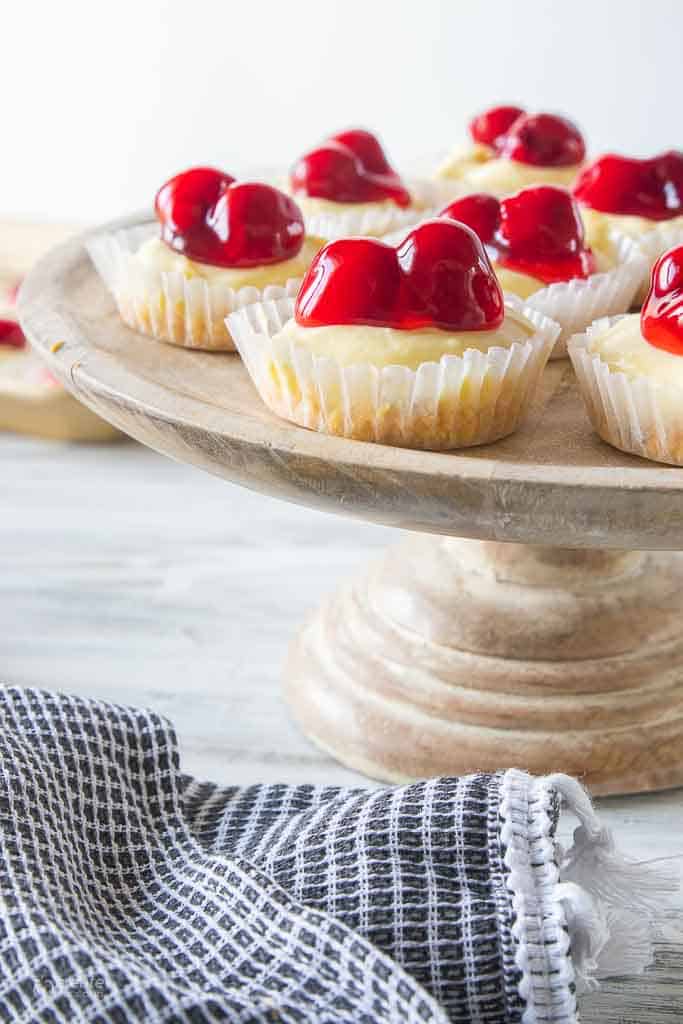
(547, 639)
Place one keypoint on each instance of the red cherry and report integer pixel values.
(439, 276)
(491, 127)
(210, 218)
(537, 231)
(661, 318)
(540, 223)
(367, 148)
(451, 278)
(544, 140)
(11, 334)
(351, 167)
(360, 276)
(643, 188)
(479, 211)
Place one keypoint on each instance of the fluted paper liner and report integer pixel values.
(458, 402)
(377, 221)
(577, 303)
(185, 311)
(635, 414)
(654, 244)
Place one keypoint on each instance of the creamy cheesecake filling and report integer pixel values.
(461, 159)
(515, 283)
(598, 224)
(624, 349)
(386, 346)
(156, 255)
(524, 285)
(501, 176)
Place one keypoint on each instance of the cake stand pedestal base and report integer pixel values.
(457, 655)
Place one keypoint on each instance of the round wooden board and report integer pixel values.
(554, 482)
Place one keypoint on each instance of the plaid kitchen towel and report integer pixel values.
(130, 892)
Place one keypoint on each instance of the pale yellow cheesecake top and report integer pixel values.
(624, 349)
(501, 176)
(351, 344)
(524, 285)
(516, 283)
(156, 255)
(463, 158)
(598, 224)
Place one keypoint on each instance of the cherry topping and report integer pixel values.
(537, 231)
(439, 276)
(210, 218)
(11, 334)
(661, 319)
(480, 211)
(643, 188)
(490, 127)
(544, 140)
(350, 167)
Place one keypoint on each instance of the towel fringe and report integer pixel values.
(610, 903)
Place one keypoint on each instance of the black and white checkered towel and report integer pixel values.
(130, 892)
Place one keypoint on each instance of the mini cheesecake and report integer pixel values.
(411, 345)
(347, 186)
(535, 240)
(511, 149)
(630, 370)
(219, 244)
(33, 402)
(641, 199)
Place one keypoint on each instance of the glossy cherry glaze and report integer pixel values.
(543, 140)
(209, 217)
(642, 188)
(350, 167)
(537, 231)
(661, 318)
(438, 277)
(480, 211)
(11, 334)
(490, 128)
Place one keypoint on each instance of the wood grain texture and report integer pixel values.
(451, 656)
(390, 692)
(131, 578)
(553, 482)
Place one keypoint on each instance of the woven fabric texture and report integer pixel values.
(130, 892)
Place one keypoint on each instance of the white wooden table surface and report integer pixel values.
(128, 577)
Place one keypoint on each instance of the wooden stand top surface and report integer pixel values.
(553, 482)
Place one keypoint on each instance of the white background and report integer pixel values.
(103, 101)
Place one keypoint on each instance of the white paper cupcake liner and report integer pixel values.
(377, 221)
(460, 401)
(576, 304)
(190, 312)
(654, 244)
(634, 414)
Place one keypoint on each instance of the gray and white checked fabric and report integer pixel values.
(129, 892)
